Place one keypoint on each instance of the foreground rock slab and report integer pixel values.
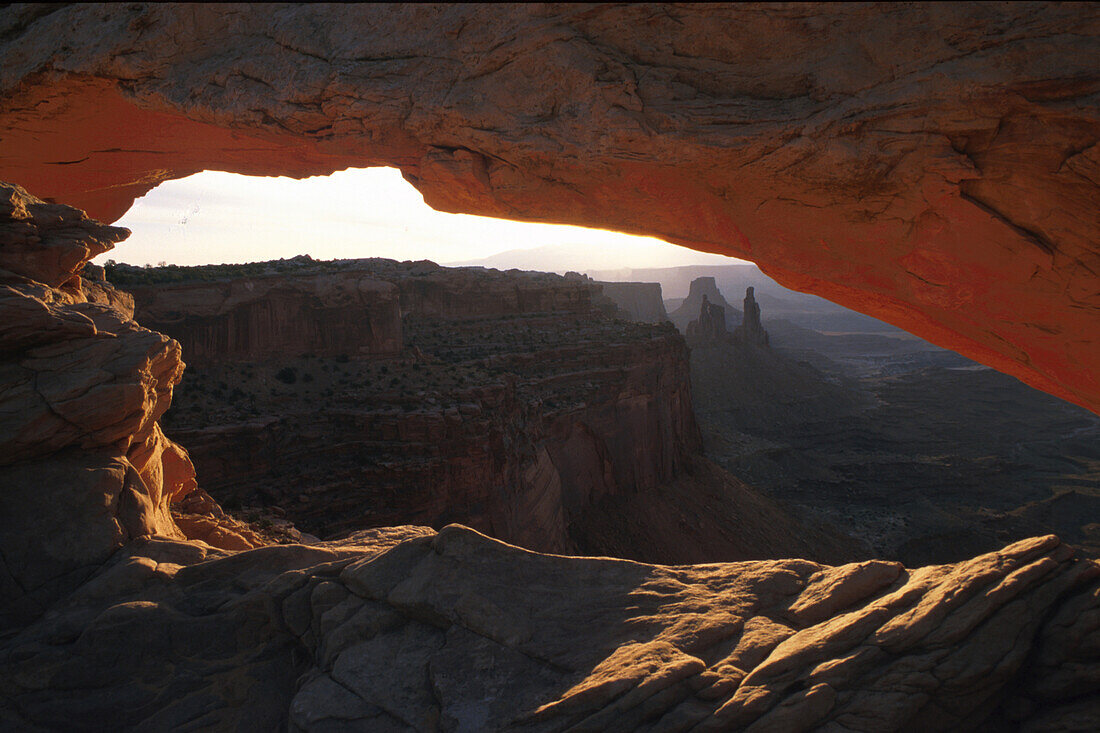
(409, 629)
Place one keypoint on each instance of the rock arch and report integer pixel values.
(933, 165)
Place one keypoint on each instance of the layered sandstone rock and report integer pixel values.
(520, 409)
(703, 289)
(751, 331)
(256, 318)
(447, 293)
(409, 629)
(642, 301)
(84, 466)
(933, 165)
(710, 326)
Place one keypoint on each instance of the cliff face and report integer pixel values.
(932, 165)
(518, 410)
(430, 291)
(251, 319)
(751, 331)
(489, 455)
(82, 389)
(643, 301)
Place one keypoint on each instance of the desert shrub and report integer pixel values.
(287, 375)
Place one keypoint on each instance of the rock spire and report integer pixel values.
(751, 331)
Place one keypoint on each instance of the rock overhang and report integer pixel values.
(933, 166)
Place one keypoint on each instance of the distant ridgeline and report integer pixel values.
(631, 301)
(122, 274)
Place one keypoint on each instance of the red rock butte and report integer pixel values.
(935, 166)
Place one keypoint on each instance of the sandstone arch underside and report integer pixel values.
(935, 166)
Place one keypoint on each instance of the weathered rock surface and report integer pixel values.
(256, 318)
(84, 466)
(710, 326)
(751, 331)
(933, 165)
(409, 629)
(642, 301)
(519, 409)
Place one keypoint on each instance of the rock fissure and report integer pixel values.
(1031, 236)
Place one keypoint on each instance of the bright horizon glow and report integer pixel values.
(218, 218)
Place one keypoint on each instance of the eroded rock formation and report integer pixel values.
(933, 165)
(702, 288)
(257, 318)
(408, 629)
(751, 331)
(520, 409)
(642, 301)
(84, 466)
(710, 326)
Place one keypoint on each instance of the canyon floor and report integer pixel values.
(924, 463)
(923, 455)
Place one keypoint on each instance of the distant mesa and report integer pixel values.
(641, 302)
(691, 306)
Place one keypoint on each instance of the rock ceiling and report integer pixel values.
(935, 166)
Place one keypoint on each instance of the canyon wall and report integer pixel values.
(560, 409)
(430, 291)
(642, 301)
(932, 165)
(251, 319)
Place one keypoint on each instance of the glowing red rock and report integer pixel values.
(935, 166)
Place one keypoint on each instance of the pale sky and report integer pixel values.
(213, 217)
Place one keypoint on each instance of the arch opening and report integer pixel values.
(831, 385)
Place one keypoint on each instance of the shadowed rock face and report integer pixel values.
(932, 165)
(751, 331)
(251, 319)
(641, 301)
(113, 621)
(84, 466)
(519, 409)
(405, 628)
(710, 326)
(703, 289)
